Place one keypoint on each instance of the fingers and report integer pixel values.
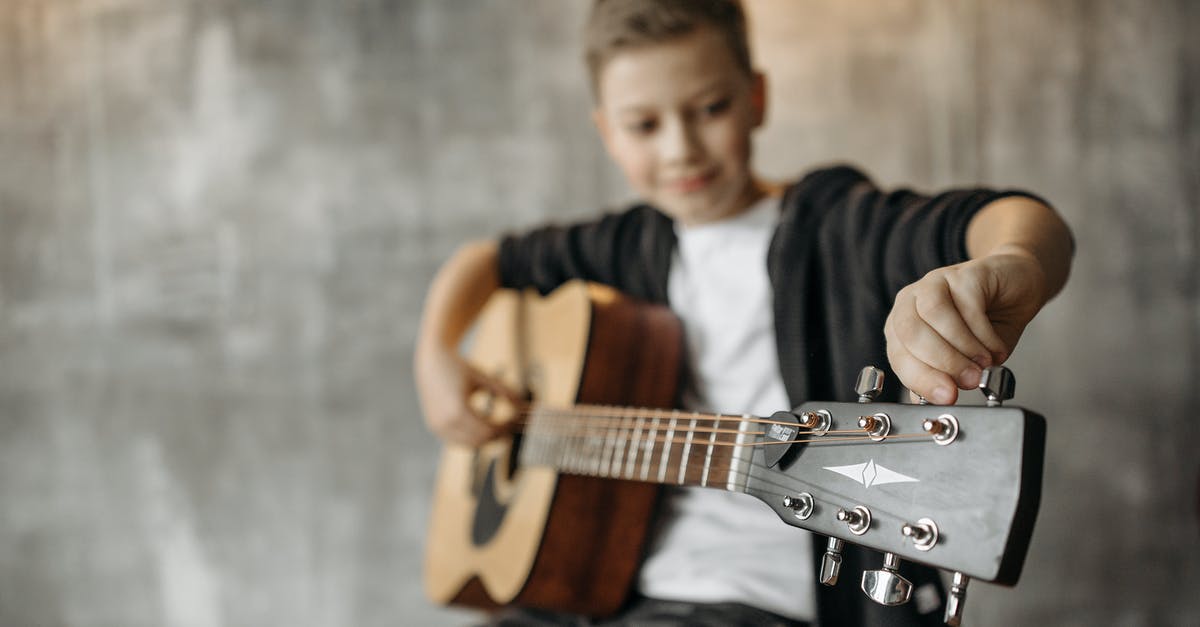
(479, 380)
(955, 314)
(469, 429)
(471, 417)
(939, 336)
(445, 383)
(936, 386)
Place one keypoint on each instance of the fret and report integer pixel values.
(635, 444)
(666, 453)
(623, 443)
(594, 443)
(687, 449)
(569, 447)
(712, 438)
(579, 435)
(736, 480)
(620, 446)
(589, 446)
(649, 450)
(532, 451)
(559, 452)
(576, 445)
(610, 441)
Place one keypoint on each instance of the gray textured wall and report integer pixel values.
(217, 221)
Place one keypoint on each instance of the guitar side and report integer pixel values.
(502, 534)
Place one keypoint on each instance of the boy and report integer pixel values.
(783, 291)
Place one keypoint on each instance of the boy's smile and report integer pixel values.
(677, 118)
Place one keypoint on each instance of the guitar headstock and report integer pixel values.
(954, 487)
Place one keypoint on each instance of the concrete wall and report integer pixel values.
(217, 221)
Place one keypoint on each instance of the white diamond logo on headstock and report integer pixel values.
(870, 473)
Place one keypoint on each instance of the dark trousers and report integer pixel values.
(645, 612)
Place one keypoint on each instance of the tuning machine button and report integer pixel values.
(869, 384)
(831, 563)
(998, 384)
(956, 599)
(924, 534)
(887, 586)
(802, 505)
(857, 519)
(877, 426)
(944, 428)
(817, 422)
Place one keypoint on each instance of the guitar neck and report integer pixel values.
(656, 446)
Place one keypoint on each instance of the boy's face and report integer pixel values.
(677, 118)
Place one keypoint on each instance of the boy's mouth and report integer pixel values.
(689, 184)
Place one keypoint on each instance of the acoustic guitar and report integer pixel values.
(556, 515)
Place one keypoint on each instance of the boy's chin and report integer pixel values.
(694, 211)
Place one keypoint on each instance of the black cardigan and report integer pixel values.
(842, 250)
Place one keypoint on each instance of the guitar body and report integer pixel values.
(502, 534)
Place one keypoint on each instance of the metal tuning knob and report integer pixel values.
(956, 599)
(802, 505)
(887, 586)
(877, 426)
(924, 534)
(831, 564)
(944, 428)
(857, 519)
(818, 422)
(998, 384)
(869, 385)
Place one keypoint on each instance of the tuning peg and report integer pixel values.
(857, 519)
(956, 599)
(998, 384)
(924, 534)
(869, 385)
(831, 564)
(887, 586)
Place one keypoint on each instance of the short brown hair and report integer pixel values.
(620, 24)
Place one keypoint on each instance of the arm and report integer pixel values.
(444, 380)
(958, 319)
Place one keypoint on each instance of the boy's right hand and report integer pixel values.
(445, 383)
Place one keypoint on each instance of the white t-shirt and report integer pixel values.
(712, 545)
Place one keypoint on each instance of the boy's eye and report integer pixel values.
(642, 127)
(717, 107)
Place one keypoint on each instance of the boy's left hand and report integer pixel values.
(953, 322)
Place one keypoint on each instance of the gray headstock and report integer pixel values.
(954, 487)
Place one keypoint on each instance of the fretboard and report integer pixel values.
(657, 446)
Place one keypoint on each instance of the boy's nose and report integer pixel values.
(679, 142)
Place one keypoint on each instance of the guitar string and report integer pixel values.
(585, 421)
(621, 423)
(624, 419)
(571, 432)
(636, 460)
(731, 472)
(633, 455)
(617, 412)
(703, 443)
(624, 416)
(764, 484)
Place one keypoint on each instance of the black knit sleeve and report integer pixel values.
(893, 238)
(628, 250)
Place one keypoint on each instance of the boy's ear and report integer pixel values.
(758, 98)
(602, 127)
